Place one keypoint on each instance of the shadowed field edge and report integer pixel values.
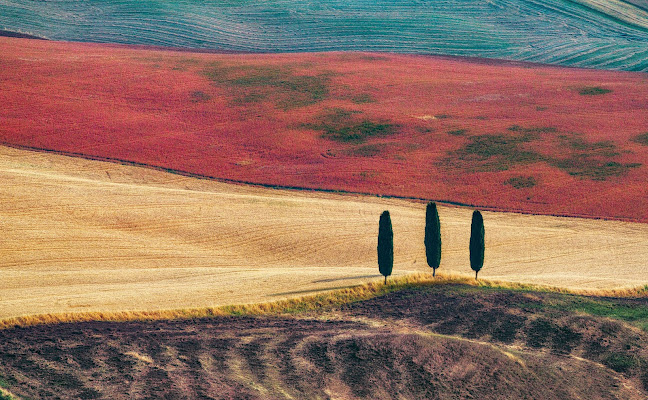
(321, 301)
(188, 174)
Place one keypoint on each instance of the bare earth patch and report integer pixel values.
(432, 342)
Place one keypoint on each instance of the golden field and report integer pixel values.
(81, 235)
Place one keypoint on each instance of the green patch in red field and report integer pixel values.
(442, 116)
(641, 139)
(593, 90)
(422, 127)
(590, 160)
(584, 166)
(348, 126)
(532, 129)
(458, 132)
(199, 96)
(288, 88)
(367, 150)
(489, 153)
(568, 152)
(363, 98)
(521, 182)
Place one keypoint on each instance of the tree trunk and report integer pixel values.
(385, 280)
(476, 272)
(433, 272)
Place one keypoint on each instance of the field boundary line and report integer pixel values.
(194, 175)
(303, 304)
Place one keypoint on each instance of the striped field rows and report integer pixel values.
(584, 33)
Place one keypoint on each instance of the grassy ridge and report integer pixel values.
(336, 298)
(456, 339)
(587, 33)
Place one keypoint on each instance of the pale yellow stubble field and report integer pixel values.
(81, 235)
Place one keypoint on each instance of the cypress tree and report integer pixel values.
(385, 245)
(477, 243)
(432, 237)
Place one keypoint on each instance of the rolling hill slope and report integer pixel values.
(432, 342)
(587, 33)
(82, 235)
(502, 136)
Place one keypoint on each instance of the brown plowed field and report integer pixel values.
(81, 235)
(437, 342)
(505, 136)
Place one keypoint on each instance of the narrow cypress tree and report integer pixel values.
(432, 237)
(477, 243)
(385, 245)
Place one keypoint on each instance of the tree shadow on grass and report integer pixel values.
(309, 291)
(346, 278)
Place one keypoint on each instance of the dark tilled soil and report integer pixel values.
(449, 342)
(520, 319)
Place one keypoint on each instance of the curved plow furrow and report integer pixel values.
(498, 29)
(273, 358)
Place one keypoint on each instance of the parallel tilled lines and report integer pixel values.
(500, 29)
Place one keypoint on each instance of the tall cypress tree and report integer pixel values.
(477, 243)
(432, 237)
(385, 245)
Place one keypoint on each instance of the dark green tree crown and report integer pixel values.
(385, 244)
(432, 236)
(477, 242)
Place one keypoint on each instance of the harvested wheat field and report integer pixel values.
(81, 235)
